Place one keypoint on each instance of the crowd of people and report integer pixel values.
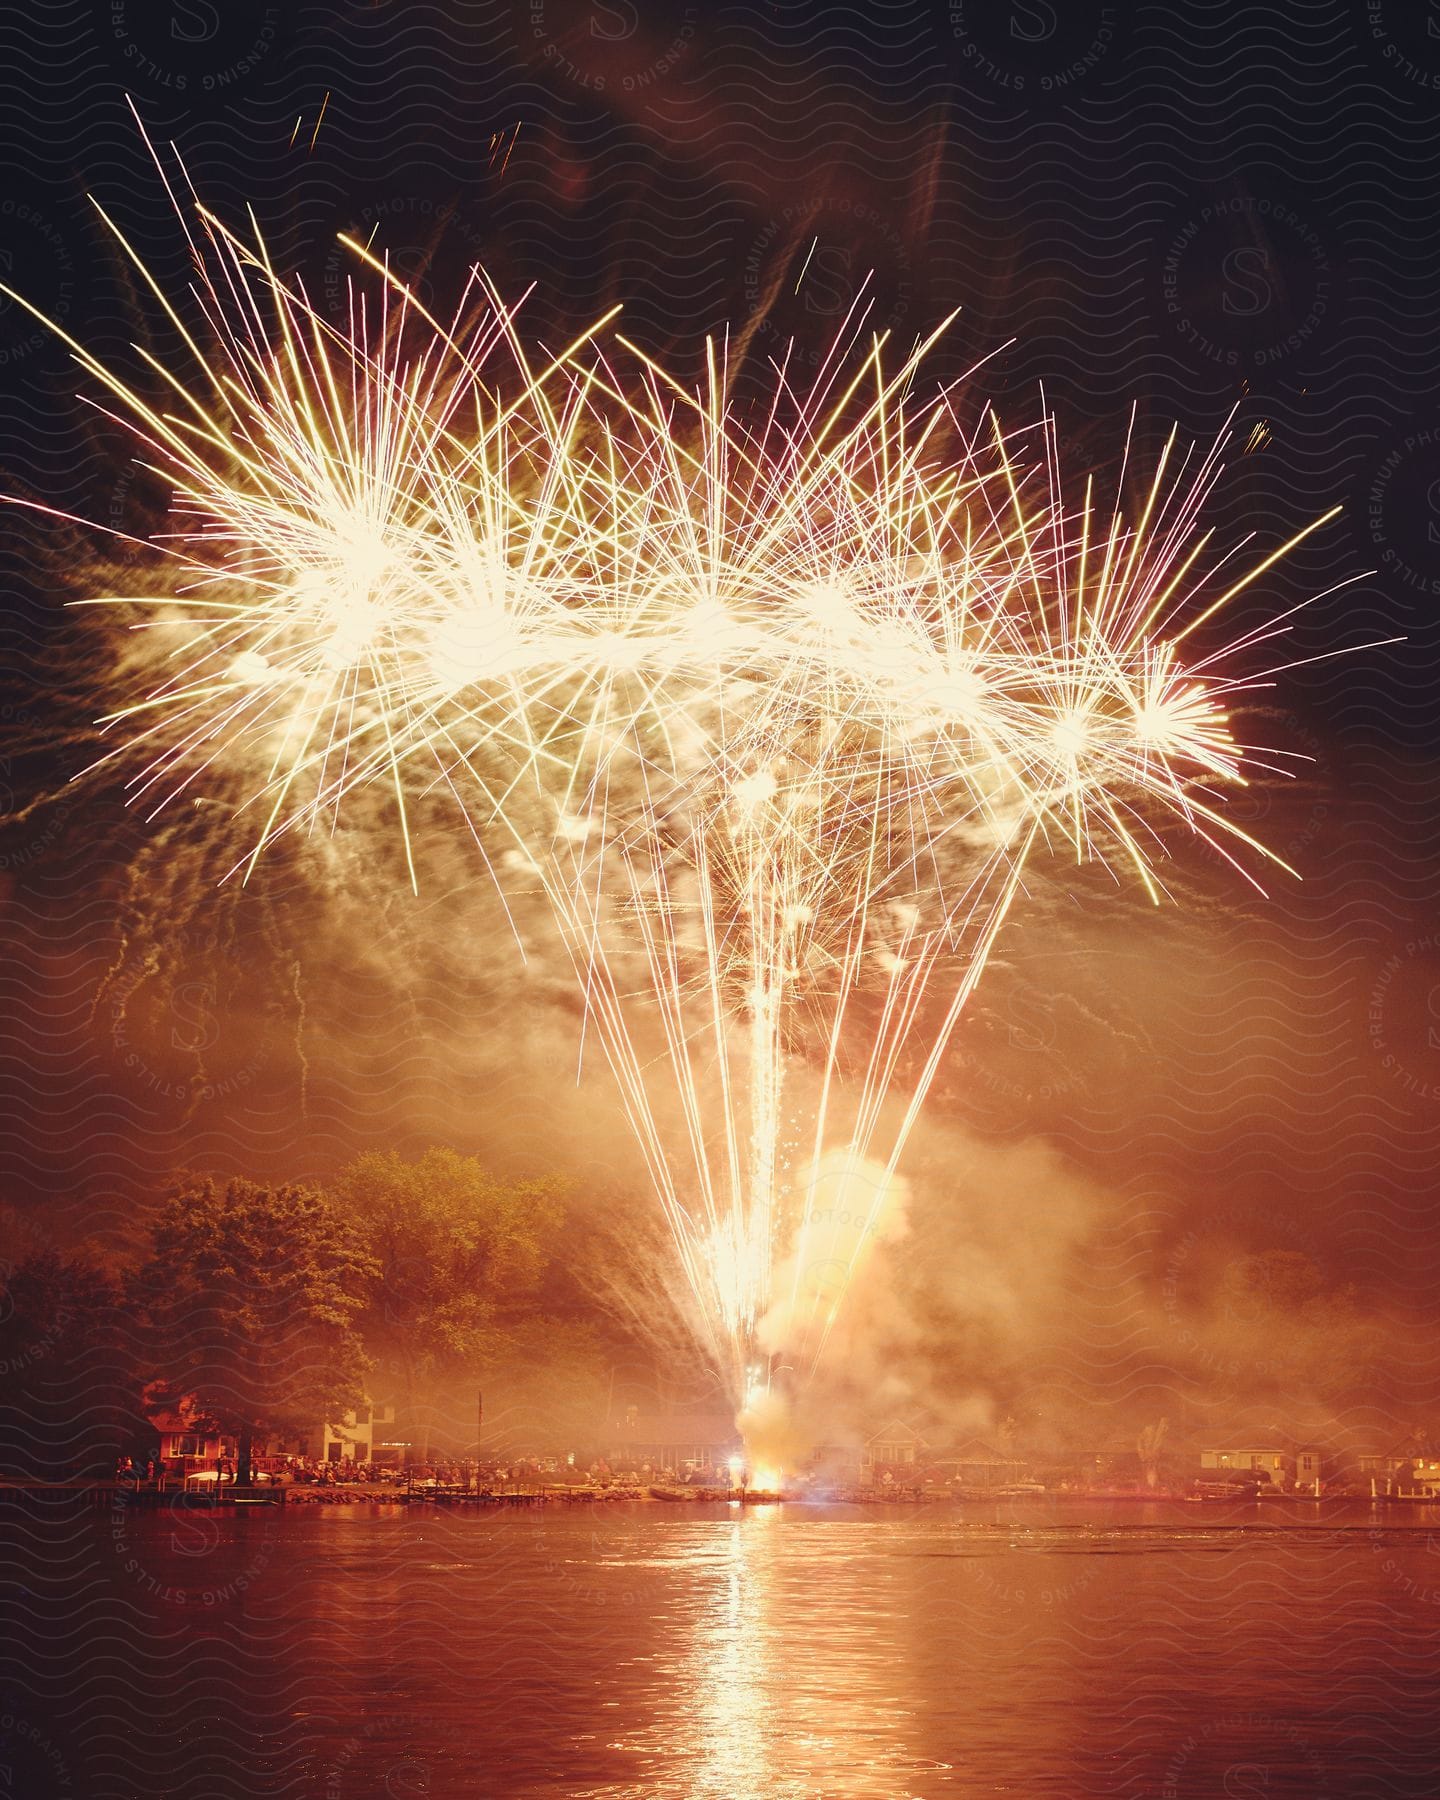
(308, 1471)
(519, 1473)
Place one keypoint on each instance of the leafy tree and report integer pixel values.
(461, 1259)
(1148, 1447)
(249, 1300)
(1274, 1283)
(1295, 1331)
(68, 1371)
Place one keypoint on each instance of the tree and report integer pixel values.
(249, 1300)
(1148, 1447)
(1304, 1335)
(68, 1371)
(460, 1259)
(1274, 1283)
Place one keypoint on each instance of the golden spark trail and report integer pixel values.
(776, 714)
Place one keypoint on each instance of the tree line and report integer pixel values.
(269, 1308)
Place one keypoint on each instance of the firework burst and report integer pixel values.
(776, 714)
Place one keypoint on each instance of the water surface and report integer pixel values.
(1030, 1648)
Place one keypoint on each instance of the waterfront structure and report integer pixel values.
(897, 1446)
(369, 1435)
(1402, 1473)
(188, 1448)
(688, 1440)
(1268, 1462)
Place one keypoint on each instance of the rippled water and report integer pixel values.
(1065, 1649)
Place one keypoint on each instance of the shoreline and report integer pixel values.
(113, 1495)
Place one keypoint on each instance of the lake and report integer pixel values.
(1031, 1648)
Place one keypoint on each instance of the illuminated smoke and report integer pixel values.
(773, 717)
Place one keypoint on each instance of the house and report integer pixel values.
(693, 1440)
(1425, 1477)
(977, 1464)
(1405, 1472)
(1383, 1468)
(835, 1462)
(368, 1435)
(898, 1446)
(187, 1448)
(1269, 1463)
(187, 1445)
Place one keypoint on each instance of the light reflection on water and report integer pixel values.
(758, 1712)
(727, 1687)
(1148, 1652)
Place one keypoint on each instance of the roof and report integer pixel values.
(896, 1431)
(976, 1450)
(1243, 1449)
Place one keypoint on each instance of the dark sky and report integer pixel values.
(1184, 208)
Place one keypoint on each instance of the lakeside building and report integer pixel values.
(672, 1440)
(898, 1447)
(187, 1448)
(1383, 1467)
(903, 1450)
(1403, 1473)
(187, 1445)
(1269, 1462)
(1299, 1469)
(1425, 1476)
(835, 1462)
(368, 1435)
(980, 1465)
